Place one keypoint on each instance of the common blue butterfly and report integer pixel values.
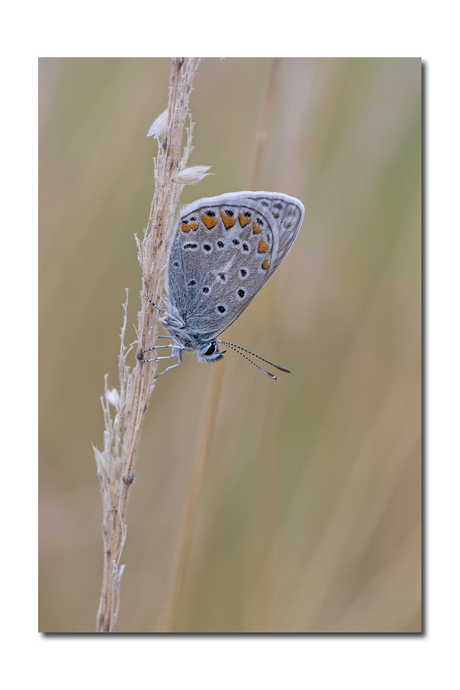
(223, 251)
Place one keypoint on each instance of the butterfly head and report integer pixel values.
(209, 352)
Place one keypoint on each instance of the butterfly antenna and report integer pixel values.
(233, 347)
(288, 371)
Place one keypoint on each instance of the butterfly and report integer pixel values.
(223, 251)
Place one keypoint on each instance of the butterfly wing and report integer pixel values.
(224, 251)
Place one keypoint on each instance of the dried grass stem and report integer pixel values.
(122, 433)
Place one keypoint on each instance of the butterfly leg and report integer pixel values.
(155, 305)
(175, 349)
(156, 347)
(180, 357)
(156, 359)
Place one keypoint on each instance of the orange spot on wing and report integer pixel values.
(185, 227)
(209, 221)
(265, 263)
(263, 247)
(194, 226)
(243, 220)
(256, 228)
(229, 221)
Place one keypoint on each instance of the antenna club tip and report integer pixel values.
(237, 349)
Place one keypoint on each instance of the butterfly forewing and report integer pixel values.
(224, 251)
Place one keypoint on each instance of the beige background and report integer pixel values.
(309, 515)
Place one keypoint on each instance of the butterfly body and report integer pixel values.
(203, 344)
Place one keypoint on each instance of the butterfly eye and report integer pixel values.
(211, 350)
